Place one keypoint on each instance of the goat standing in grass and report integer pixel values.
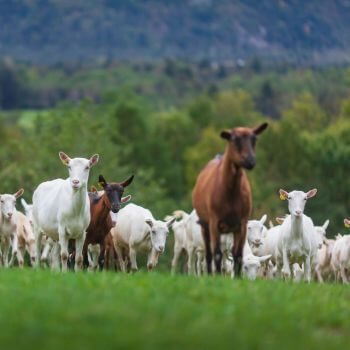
(61, 210)
(296, 243)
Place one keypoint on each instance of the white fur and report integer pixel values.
(26, 240)
(61, 209)
(340, 260)
(136, 229)
(195, 245)
(8, 227)
(252, 263)
(180, 239)
(47, 243)
(297, 239)
(256, 231)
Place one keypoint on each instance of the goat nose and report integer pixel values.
(75, 182)
(9, 214)
(115, 208)
(298, 212)
(161, 248)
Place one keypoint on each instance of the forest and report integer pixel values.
(52, 31)
(162, 120)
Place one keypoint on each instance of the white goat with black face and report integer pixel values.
(297, 243)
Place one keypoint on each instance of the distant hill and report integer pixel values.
(50, 31)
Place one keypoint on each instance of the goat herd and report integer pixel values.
(68, 226)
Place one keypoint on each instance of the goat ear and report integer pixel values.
(263, 219)
(64, 158)
(311, 193)
(226, 134)
(325, 225)
(149, 222)
(258, 130)
(126, 199)
(128, 181)
(19, 193)
(93, 160)
(170, 222)
(347, 223)
(283, 195)
(280, 220)
(24, 203)
(101, 181)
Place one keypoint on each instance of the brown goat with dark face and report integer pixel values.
(100, 208)
(222, 195)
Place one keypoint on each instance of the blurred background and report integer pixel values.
(150, 84)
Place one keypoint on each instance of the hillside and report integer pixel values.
(316, 31)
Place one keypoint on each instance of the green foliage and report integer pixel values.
(306, 146)
(43, 310)
(306, 114)
(209, 145)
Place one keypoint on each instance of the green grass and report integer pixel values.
(44, 310)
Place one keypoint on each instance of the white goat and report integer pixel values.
(136, 229)
(195, 245)
(61, 209)
(340, 260)
(8, 227)
(296, 242)
(26, 240)
(47, 243)
(252, 263)
(256, 232)
(180, 237)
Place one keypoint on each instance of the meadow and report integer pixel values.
(45, 310)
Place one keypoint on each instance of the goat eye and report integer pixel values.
(87, 168)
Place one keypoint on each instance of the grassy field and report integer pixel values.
(44, 310)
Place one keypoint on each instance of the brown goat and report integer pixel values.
(222, 195)
(100, 207)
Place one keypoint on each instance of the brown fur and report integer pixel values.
(100, 207)
(110, 256)
(222, 195)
